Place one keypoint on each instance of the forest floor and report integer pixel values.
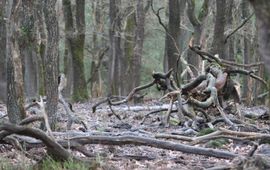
(129, 156)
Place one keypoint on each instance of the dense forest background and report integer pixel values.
(201, 62)
(110, 47)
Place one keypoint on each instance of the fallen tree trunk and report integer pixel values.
(138, 140)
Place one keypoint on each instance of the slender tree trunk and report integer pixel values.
(128, 51)
(139, 39)
(229, 20)
(69, 33)
(218, 46)
(51, 60)
(115, 48)
(15, 99)
(173, 37)
(247, 93)
(3, 34)
(197, 23)
(97, 48)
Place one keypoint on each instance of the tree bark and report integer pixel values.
(197, 23)
(3, 34)
(27, 44)
(15, 84)
(262, 11)
(51, 60)
(115, 52)
(138, 50)
(98, 43)
(172, 37)
(75, 39)
(247, 93)
(229, 21)
(79, 86)
(218, 45)
(128, 51)
(41, 45)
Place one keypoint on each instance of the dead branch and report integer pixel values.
(32, 119)
(237, 28)
(57, 150)
(169, 111)
(53, 148)
(211, 58)
(46, 119)
(157, 15)
(193, 84)
(199, 139)
(137, 140)
(101, 54)
(131, 94)
(155, 111)
(136, 108)
(70, 113)
(116, 115)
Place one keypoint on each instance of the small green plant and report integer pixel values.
(49, 164)
(8, 164)
(4, 164)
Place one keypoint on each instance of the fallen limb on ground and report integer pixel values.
(56, 147)
(135, 108)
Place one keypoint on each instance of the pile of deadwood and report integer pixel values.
(198, 104)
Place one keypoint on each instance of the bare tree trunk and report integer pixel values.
(262, 11)
(51, 60)
(15, 84)
(79, 86)
(115, 48)
(75, 43)
(247, 94)
(27, 44)
(96, 84)
(218, 45)
(173, 37)
(128, 51)
(229, 20)
(3, 34)
(138, 50)
(197, 23)
(69, 31)
(41, 45)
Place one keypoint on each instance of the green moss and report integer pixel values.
(80, 95)
(218, 143)
(174, 121)
(205, 131)
(264, 141)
